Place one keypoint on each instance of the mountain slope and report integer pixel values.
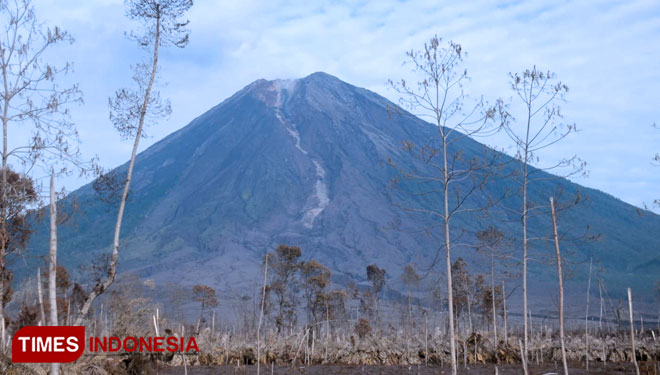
(303, 162)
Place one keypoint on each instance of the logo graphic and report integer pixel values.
(46, 344)
(63, 344)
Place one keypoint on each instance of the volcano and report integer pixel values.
(304, 162)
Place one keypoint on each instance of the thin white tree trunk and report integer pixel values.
(561, 287)
(155, 325)
(522, 356)
(327, 331)
(632, 332)
(470, 313)
(112, 271)
(450, 293)
(586, 318)
(600, 316)
(42, 322)
(524, 275)
(492, 294)
(52, 265)
(506, 328)
(311, 354)
(261, 316)
(185, 363)
(525, 176)
(3, 174)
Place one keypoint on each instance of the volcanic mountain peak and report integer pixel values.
(321, 91)
(274, 92)
(304, 162)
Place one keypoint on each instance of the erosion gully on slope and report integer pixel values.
(320, 195)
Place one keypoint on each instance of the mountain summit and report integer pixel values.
(303, 162)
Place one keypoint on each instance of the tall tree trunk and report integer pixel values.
(261, 316)
(52, 265)
(41, 300)
(561, 287)
(492, 294)
(112, 271)
(4, 235)
(633, 353)
(506, 328)
(450, 294)
(600, 315)
(524, 275)
(586, 318)
(526, 155)
(469, 303)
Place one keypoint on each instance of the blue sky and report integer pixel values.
(608, 53)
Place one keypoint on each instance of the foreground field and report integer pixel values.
(386, 352)
(506, 369)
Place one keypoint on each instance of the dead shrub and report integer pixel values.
(363, 328)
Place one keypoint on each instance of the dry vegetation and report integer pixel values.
(344, 346)
(398, 334)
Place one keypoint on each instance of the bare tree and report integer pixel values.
(21, 195)
(633, 354)
(336, 307)
(410, 279)
(439, 96)
(207, 298)
(30, 98)
(261, 315)
(176, 297)
(316, 278)
(586, 317)
(284, 264)
(540, 127)
(561, 286)
(52, 264)
(492, 243)
(64, 293)
(53, 268)
(133, 109)
(376, 275)
(461, 285)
